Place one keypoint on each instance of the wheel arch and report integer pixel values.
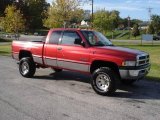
(100, 63)
(25, 53)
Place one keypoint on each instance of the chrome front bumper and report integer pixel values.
(134, 73)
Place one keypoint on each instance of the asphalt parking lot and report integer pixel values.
(69, 96)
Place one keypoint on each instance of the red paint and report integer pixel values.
(75, 54)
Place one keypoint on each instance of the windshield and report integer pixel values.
(96, 38)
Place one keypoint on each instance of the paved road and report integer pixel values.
(68, 96)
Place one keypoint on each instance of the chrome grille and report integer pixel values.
(142, 59)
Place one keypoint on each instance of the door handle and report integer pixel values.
(59, 48)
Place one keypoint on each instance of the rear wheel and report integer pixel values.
(103, 81)
(27, 67)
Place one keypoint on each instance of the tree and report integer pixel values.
(116, 18)
(135, 31)
(124, 22)
(34, 12)
(105, 20)
(63, 11)
(155, 21)
(150, 29)
(3, 5)
(135, 21)
(13, 20)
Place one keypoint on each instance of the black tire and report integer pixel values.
(56, 70)
(106, 76)
(27, 67)
(128, 82)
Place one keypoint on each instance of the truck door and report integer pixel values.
(50, 49)
(71, 55)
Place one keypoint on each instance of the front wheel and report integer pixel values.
(27, 67)
(103, 81)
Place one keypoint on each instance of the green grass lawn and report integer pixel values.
(5, 49)
(154, 52)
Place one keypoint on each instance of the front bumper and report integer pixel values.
(135, 73)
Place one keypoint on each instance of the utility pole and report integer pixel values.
(150, 13)
(92, 14)
(129, 26)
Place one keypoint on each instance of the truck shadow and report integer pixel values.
(65, 76)
(143, 89)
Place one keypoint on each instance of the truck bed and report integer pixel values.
(35, 47)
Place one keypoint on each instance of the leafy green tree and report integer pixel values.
(105, 20)
(155, 21)
(77, 18)
(135, 21)
(123, 23)
(150, 29)
(135, 31)
(34, 12)
(115, 15)
(63, 11)
(13, 20)
(132, 22)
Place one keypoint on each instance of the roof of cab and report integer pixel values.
(74, 29)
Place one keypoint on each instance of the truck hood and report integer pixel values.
(122, 52)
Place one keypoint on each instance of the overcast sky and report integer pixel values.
(136, 9)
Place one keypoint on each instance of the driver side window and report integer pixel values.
(69, 38)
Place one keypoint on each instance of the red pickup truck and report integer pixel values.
(85, 51)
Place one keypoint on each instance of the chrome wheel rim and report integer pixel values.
(103, 82)
(24, 68)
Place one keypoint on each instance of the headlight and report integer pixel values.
(129, 63)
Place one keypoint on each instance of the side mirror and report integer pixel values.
(79, 42)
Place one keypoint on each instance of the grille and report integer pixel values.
(142, 59)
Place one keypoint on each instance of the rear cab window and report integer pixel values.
(55, 36)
